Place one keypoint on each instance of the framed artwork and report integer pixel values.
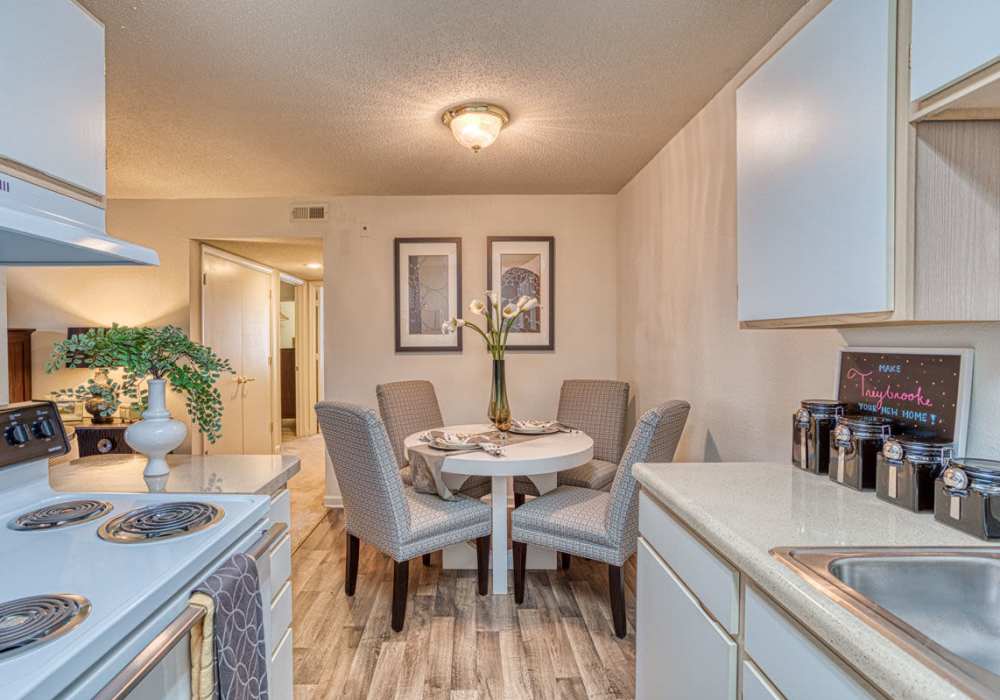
(519, 266)
(428, 284)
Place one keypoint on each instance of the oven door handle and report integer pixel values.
(259, 548)
(139, 667)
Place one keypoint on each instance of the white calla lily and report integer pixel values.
(446, 328)
(477, 307)
(522, 301)
(530, 304)
(510, 311)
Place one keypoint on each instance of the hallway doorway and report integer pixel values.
(261, 307)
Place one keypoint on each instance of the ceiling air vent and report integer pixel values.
(309, 212)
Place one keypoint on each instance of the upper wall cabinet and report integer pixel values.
(815, 169)
(854, 206)
(955, 59)
(52, 86)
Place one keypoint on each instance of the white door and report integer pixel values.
(255, 372)
(236, 324)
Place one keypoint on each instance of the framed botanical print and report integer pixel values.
(519, 266)
(428, 286)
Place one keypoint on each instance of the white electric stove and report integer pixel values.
(91, 583)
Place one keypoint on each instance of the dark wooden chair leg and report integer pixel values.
(518, 500)
(351, 578)
(427, 559)
(564, 560)
(400, 580)
(520, 563)
(616, 587)
(483, 564)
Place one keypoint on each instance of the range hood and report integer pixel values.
(40, 227)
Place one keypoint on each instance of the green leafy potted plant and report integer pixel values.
(153, 357)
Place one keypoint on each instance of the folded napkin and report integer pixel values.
(426, 462)
(228, 653)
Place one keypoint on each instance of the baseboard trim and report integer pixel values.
(333, 502)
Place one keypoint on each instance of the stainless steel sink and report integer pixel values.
(941, 605)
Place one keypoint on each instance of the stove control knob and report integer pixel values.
(17, 434)
(43, 429)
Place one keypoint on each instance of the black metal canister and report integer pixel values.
(811, 428)
(907, 468)
(854, 449)
(967, 497)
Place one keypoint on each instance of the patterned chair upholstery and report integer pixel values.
(411, 407)
(385, 513)
(597, 407)
(600, 525)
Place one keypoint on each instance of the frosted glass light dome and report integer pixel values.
(475, 126)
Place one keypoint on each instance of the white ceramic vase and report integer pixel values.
(157, 433)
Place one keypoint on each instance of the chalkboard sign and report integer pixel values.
(924, 391)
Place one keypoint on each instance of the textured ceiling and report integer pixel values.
(285, 254)
(242, 98)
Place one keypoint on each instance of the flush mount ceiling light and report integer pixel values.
(314, 266)
(475, 125)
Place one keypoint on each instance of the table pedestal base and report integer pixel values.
(463, 555)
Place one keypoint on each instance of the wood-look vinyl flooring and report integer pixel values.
(456, 645)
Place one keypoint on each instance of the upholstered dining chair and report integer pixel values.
(387, 514)
(599, 525)
(411, 407)
(598, 408)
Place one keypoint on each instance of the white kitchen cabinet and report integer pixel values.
(797, 665)
(52, 112)
(713, 581)
(756, 686)
(280, 678)
(815, 169)
(681, 652)
(951, 39)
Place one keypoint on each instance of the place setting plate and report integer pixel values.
(535, 427)
(452, 442)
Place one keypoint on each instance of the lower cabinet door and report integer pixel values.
(756, 686)
(681, 652)
(279, 672)
(799, 667)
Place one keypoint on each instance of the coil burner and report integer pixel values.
(160, 521)
(25, 622)
(60, 514)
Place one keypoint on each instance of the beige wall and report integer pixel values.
(359, 298)
(53, 299)
(677, 327)
(358, 291)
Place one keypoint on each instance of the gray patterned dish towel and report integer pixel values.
(237, 627)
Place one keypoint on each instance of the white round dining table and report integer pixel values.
(540, 459)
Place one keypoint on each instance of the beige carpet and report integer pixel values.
(308, 486)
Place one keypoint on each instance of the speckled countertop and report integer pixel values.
(745, 509)
(252, 474)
